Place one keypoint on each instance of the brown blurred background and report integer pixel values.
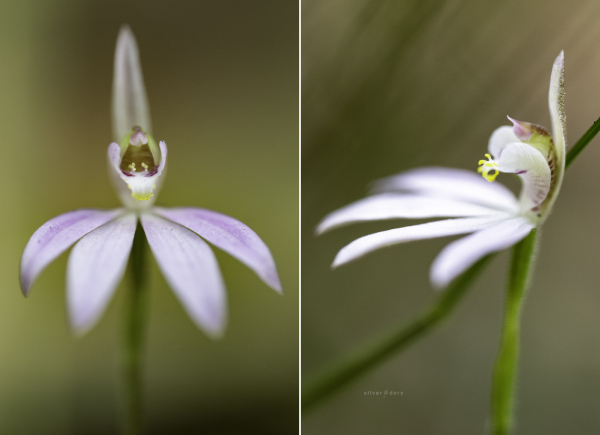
(222, 81)
(392, 85)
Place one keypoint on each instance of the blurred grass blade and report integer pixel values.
(582, 143)
(347, 369)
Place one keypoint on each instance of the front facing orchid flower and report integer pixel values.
(176, 236)
(494, 216)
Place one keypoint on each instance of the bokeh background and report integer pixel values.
(390, 85)
(222, 81)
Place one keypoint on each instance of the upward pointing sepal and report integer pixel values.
(129, 102)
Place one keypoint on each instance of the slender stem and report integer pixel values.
(134, 337)
(582, 143)
(347, 369)
(503, 384)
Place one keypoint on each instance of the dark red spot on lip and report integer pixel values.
(127, 174)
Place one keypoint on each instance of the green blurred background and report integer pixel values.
(222, 81)
(392, 85)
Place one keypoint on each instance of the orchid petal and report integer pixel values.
(394, 205)
(230, 235)
(458, 256)
(532, 167)
(55, 237)
(501, 137)
(190, 267)
(129, 102)
(448, 227)
(95, 267)
(458, 184)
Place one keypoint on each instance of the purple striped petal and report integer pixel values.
(96, 265)
(231, 236)
(191, 269)
(55, 237)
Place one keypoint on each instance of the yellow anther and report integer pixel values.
(145, 166)
(132, 167)
(487, 166)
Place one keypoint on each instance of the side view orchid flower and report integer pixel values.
(177, 236)
(495, 218)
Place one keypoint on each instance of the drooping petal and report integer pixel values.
(527, 162)
(129, 101)
(95, 267)
(451, 183)
(230, 235)
(136, 190)
(431, 230)
(396, 205)
(458, 256)
(501, 137)
(191, 269)
(55, 237)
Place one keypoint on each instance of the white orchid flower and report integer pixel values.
(490, 211)
(177, 236)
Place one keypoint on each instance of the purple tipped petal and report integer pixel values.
(191, 269)
(231, 236)
(458, 256)
(96, 265)
(55, 237)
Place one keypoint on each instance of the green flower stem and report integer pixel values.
(582, 143)
(347, 369)
(134, 337)
(503, 384)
